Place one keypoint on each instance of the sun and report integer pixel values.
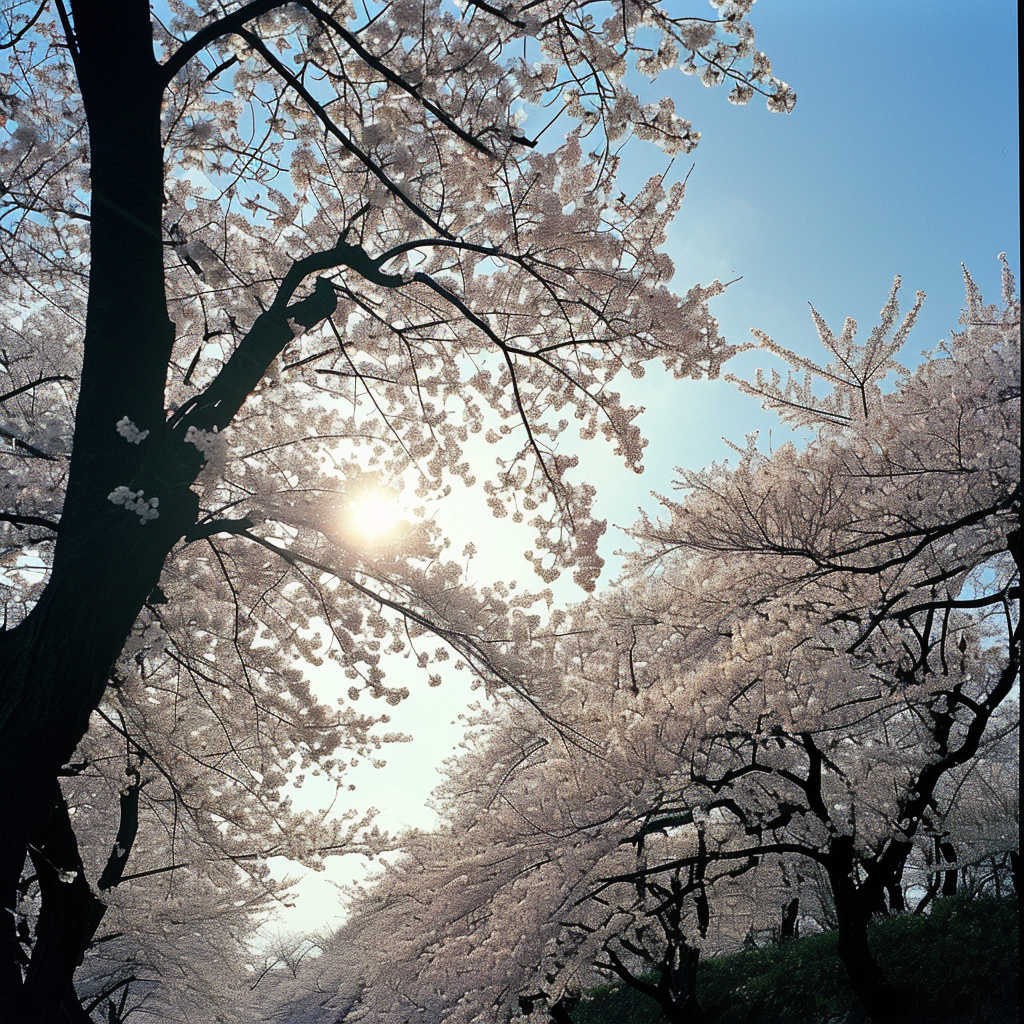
(374, 517)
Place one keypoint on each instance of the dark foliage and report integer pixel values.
(960, 964)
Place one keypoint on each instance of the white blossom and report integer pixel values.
(134, 501)
(130, 432)
(213, 445)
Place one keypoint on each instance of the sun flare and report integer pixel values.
(374, 517)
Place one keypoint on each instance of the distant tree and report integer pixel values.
(257, 256)
(806, 683)
(866, 593)
(534, 888)
(973, 830)
(457, 928)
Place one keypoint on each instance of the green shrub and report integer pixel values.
(960, 964)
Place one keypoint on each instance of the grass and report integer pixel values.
(960, 964)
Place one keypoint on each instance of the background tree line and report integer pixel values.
(797, 710)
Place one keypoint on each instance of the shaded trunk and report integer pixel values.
(789, 929)
(949, 877)
(894, 890)
(881, 1001)
(55, 664)
(678, 988)
(855, 904)
(559, 1013)
(68, 908)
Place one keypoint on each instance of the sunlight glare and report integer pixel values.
(375, 516)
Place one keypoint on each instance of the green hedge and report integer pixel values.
(960, 964)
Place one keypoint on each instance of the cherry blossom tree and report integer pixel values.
(260, 259)
(806, 682)
(878, 640)
(535, 888)
(459, 927)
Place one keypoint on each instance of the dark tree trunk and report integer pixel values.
(559, 1013)
(894, 890)
(949, 878)
(676, 991)
(877, 996)
(855, 904)
(788, 930)
(55, 664)
(678, 988)
(68, 908)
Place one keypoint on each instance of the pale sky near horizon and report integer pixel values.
(901, 157)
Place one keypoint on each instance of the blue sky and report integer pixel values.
(901, 157)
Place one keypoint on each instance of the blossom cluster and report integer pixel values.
(130, 432)
(213, 446)
(134, 501)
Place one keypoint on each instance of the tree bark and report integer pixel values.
(55, 664)
(947, 851)
(788, 929)
(68, 909)
(883, 1003)
(678, 999)
(894, 890)
(559, 1013)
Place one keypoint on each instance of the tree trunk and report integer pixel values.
(883, 1003)
(677, 988)
(894, 890)
(55, 664)
(877, 996)
(789, 928)
(949, 878)
(689, 1011)
(559, 1013)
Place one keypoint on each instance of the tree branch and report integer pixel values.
(20, 522)
(127, 829)
(36, 383)
(215, 526)
(258, 45)
(228, 25)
